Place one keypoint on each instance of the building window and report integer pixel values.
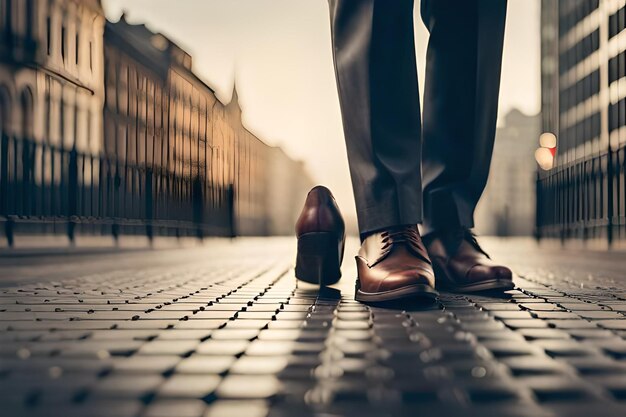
(63, 41)
(77, 48)
(62, 121)
(88, 130)
(617, 22)
(47, 111)
(7, 21)
(30, 23)
(90, 56)
(49, 35)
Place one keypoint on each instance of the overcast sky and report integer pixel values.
(280, 53)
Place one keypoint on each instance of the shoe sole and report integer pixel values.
(417, 291)
(491, 285)
(319, 257)
(488, 285)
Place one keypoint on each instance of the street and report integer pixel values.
(224, 329)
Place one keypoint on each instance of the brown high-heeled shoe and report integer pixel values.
(321, 234)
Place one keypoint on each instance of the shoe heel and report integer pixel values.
(319, 258)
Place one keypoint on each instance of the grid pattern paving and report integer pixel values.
(238, 336)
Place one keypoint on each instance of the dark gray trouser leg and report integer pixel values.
(374, 55)
(460, 106)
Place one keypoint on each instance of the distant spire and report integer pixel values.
(235, 96)
(234, 99)
(234, 108)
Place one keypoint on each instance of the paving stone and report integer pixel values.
(168, 347)
(254, 408)
(511, 314)
(138, 325)
(287, 324)
(118, 334)
(557, 388)
(204, 364)
(177, 334)
(222, 347)
(463, 370)
(555, 315)
(146, 364)
(613, 347)
(93, 348)
(616, 306)
(197, 324)
(596, 333)
(250, 365)
(178, 408)
(535, 334)
(580, 307)
(249, 387)
(504, 349)
(189, 386)
(234, 334)
(600, 315)
(517, 324)
(485, 393)
(612, 324)
(594, 365)
(586, 408)
(500, 307)
(239, 337)
(505, 334)
(573, 324)
(101, 408)
(565, 348)
(274, 334)
(272, 347)
(542, 307)
(256, 315)
(615, 384)
(245, 324)
(214, 315)
(43, 365)
(127, 386)
(535, 365)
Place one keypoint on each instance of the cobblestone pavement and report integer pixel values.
(225, 330)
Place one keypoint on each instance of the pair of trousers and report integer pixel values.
(408, 168)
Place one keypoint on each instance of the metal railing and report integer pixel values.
(584, 199)
(45, 188)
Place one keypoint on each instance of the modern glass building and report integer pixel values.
(583, 44)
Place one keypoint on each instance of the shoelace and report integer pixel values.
(407, 236)
(453, 239)
(403, 235)
(470, 237)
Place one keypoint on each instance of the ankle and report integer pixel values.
(451, 238)
(365, 235)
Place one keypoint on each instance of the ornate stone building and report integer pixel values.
(51, 94)
(164, 125)
(107, 129)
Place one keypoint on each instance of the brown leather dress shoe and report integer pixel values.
(393, 265)
(321, 234)
(461, 265)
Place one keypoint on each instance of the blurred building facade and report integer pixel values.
(51, 96)
(583, 71)
(507, 206)
(107, 129)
